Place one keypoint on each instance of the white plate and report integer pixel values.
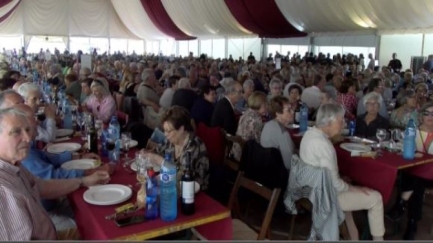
(81, 164)
(64, 132)
(397, 146)
(355, 147)
(292, 126)
(62, 147)
(107, 194)
(134, 167)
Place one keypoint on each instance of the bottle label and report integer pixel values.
(165, 177)
(188, 191)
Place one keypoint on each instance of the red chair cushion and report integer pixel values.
(213, 139)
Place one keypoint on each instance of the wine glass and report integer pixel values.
(141, 164)
(396, 136)
(380, 135)
(126, 141)
(81, 121)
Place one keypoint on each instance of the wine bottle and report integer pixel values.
(188, 190)
(92, 138)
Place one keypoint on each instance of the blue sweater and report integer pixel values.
(47, 166)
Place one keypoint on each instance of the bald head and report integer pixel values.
(9, 98)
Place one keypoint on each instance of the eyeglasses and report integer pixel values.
(372, 104)
(427, 113)
(169, 131)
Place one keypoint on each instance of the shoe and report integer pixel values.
(411, 229)
(397, 210)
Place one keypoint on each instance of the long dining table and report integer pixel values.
(211, 219)
(377, 173)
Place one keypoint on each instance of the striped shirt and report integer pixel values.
(21, 215)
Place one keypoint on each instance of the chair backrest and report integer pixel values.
(122, 117)
(213, 139)
(230, 140)
(259, 189)
(264, 165)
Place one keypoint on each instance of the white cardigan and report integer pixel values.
(317, 150)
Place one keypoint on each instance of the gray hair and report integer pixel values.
(183, 83)
(146, 74)
(3, 96)
(12, 111)
(372, 96)
(328, 113)
(181, 71)
(26, 88)
(406, 94)
(230, 87)
(275, 81)
(330, 92)
(248, 83)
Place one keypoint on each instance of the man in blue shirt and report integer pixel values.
(48, 166)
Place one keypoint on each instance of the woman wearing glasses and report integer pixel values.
(413, 187)
(101, 104)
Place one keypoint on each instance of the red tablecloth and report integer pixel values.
(379, 174)
(211, 219)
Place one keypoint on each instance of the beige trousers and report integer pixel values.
(354, 201)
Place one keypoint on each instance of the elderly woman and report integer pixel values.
(275, 88)
(408, 110)
(274, 133)
(294, 94)
(369, 122)
(101, 104)
(32, 96)
(317, 150)
(421, 91)
(347, 98)
(328, 95)
(413, 187)
(250, 124)
(176, 123)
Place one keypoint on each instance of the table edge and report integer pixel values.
(175, 228)
(415, 164)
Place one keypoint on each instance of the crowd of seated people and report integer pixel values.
(246, 98)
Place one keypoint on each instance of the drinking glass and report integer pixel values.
(381, 135)
(141, 164)
(126, 141)
(396, 136)
(81, 121)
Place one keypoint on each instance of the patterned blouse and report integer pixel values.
(349, 102)
(250, 127)
(199, 159)
(400, 117)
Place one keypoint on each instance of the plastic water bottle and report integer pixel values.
(168, 199)
(352, 126)
(114, 128)
(152, 190)
(104, 136)
(409, 140)
(303, 118)
(67, 118)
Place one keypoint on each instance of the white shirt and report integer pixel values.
(47, 131)
(311, 96)
(317, 150)
(166, 98)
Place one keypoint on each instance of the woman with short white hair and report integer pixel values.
(368, 123)
(316, 149)
(100, 103)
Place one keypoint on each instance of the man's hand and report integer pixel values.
(97, 178)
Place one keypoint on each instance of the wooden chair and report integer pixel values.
(304, 203)
(230, 140)
(242, 230)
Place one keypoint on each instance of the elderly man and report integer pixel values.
(47, 166)
(242, 104)
(224, 115)
(22, 216)
(146, 93)
(32, 96)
